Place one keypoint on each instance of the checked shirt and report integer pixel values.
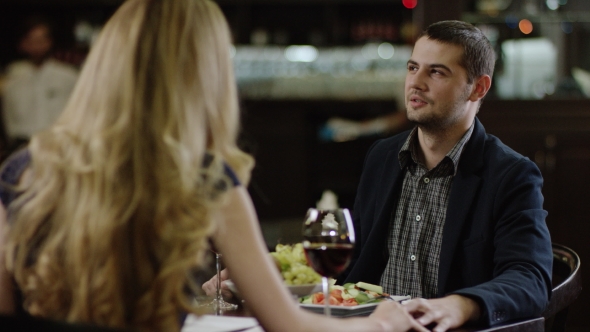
(415, 232)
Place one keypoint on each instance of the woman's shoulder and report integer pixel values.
(15, 164)
(231, 174)
(227, 170)
(10, 172)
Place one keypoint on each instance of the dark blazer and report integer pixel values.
(496, 246)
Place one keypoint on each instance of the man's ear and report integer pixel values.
(481, 86)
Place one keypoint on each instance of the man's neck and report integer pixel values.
(435, 145)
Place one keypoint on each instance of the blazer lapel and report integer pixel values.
(374, 259)
(463, 192)
(388, 187)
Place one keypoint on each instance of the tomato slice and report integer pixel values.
(335, 298)
(334, 301)
(317, 298)
(337, 294)
(349, 302)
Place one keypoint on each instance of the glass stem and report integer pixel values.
(218, 268)
(326, 288)
(218, 299)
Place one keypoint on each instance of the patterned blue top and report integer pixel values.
(16, 164)
(11, 172)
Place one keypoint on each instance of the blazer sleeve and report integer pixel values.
(522, 254)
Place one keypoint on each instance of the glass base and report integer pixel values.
(219, 306)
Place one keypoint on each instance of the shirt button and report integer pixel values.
(413, 258)
(418, 218)
(426, 180)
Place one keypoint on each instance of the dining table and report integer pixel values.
(524, 325)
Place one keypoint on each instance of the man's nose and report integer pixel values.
(416, 80)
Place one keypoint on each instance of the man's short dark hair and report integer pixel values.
(478, 58)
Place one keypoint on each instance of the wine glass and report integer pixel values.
(218, 304)
(328, 241)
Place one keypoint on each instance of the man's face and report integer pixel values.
(37, 43)
(437, 92)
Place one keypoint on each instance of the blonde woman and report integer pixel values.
(105, 213)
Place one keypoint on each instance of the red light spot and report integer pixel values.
(525, 26)
(411, 4)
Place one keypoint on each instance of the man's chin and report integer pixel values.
(424, 122)
(414, 117)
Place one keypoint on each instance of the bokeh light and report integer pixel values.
(385, 51)
(370, 51)
(511, 21)
(525, 26)
(411, 4)
(301, 53)
(567, 27)
(552, 4)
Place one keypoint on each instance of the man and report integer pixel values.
(446, 212)
(38, 87)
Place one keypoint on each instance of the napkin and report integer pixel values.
(212, 323)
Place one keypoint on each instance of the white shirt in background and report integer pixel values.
(35, 96)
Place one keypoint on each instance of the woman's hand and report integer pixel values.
(394, 317)
(210, 287)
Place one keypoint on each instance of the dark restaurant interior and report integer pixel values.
(307, 69)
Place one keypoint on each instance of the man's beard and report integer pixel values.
(440, 121)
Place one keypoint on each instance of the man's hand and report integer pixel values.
(392, 317)
(210, 287)
(445, 313)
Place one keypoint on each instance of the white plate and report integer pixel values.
(346, 311)
(296, 290)
(211, 323)
(343, 311)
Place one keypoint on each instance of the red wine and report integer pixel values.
(328, 259)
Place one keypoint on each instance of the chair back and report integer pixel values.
(567, 286)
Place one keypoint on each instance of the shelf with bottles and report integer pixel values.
(369, 71)
(320, 49)
(512, 18)
(510, 13)
(540, 45)
(319, 23)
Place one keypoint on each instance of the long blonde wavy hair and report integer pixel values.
(116, 206)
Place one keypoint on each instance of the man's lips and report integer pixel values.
(416, 101)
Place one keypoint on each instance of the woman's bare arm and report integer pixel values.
(245, 254)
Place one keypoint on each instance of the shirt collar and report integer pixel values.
(408, 151)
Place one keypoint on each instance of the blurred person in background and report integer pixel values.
(105, 213)
(341, 130)
(36, 88)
